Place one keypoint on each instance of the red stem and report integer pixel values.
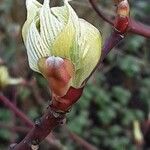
(14, 128)
(110, 43)
(14, 102)
(100, 12)
(22, 129)
(40, 130)
(139, 28)
(81, 142)
(20, 114)
(14, 109)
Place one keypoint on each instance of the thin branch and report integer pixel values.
(14, 102)
(139, 28)
(40, 130)
(112, 41)
(100, 12)
(22, 129)
(14, 128)
(14, 109)
(84, 4)
(20, 114)
(81, 142)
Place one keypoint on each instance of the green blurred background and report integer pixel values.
(117, 95)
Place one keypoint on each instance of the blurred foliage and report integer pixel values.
(115, 96)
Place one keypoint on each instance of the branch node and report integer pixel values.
(62, 122)
(56, 113)
(12, 146)
(34, 147)
(35, 142)
(38, 122)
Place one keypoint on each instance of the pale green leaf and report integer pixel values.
(50, 26)
(33, 7)
(90, 51)
(35, 47)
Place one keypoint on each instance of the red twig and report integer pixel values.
(40, 130)
(110, 43)
(139, 28)
(14, 128)
(25, 130)
(100, 12)
(14, 109)
(20, 114)
(14, 101)
(81, 142)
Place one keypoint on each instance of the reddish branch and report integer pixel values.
(133, 26)
(13, 108)
(14, 128)
(3, 99)
(81, 142)
(40, 130)
(19, 113)
(100, 12)
(139, 28)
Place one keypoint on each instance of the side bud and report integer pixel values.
(123, 8)
(58, 72)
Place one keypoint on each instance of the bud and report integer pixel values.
(57, 40)
(122, 19)
(123, 8)
(59, 73)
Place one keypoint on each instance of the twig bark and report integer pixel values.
(25, 130)
(81, 142)
(139, 28)
(14, 128)
(14, 109)
(20, 114)
(14, 101)
(41, 129)
(100, 12)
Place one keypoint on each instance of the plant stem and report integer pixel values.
(20, 114)
(25, 130)
(139, 28)
(14, 128)
(100, 12)
(41, 129)
(81, 142)
(14, 109)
